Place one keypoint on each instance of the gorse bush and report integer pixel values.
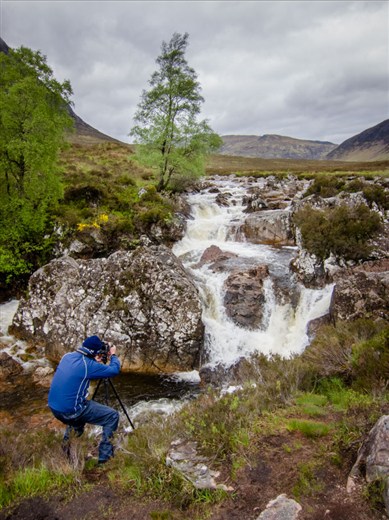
(343, 231)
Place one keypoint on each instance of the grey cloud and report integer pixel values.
(316, 70)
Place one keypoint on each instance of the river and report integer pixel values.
(283, 329)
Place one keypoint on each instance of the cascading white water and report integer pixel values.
(284, 328)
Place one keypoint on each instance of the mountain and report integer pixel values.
(370, 145)
(84, 132)
(274, 147)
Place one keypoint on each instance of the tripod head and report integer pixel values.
(104, 352)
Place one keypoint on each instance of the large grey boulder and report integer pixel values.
(269, 227)
(142, 301)
(359, 294)
(373, 459)
(244, 298)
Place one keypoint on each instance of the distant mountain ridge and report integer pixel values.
(271, 146)
(370, 145)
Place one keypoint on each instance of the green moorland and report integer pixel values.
(293, 427)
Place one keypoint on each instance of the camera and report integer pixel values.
(104, 352)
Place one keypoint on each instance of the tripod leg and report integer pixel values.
(97, 387)
(121, 404)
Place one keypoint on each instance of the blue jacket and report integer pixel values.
(69, 388)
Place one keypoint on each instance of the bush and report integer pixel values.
(370, 362)
(357, 352)
(343, 231)
(325, 186)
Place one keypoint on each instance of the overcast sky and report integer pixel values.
(305, 69)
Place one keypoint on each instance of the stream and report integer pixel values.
(283, 329)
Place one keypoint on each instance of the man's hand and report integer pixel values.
(112, 351)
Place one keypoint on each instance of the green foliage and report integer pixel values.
(375, 492)
(167, 132)
(33, 119)
(307, 484)
(374, 193)
(325, 186)
(342, 230)
(311, 429)
(312, 404)
(354, 352)
(370, 362)
(36, 481)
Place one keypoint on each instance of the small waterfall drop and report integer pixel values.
(284, 325)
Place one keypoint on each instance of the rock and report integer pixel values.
(244, 296)
(254, 202)
(281, 508)
(43, 376)
(359, 294)
(314, 325)
(183, 457)
(269, 227)
(214, 255)
(373, 459)
(223, 199)
(8, 366)
(143, 301)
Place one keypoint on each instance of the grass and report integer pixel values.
(258, 167)
(311, 429)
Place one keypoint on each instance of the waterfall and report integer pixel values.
(284, 325)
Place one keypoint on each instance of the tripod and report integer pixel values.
(107, 382)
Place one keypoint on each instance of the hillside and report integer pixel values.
(84, 133)
(370, 145)
(274, 147)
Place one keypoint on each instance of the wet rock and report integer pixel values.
(269, 227)
(315, 324)
(223, 199)
(244, 297)
(359, 294)
(281, 508)
(373, 459)
(143, 301)
(309, 269)
(183, 457)
(214, 255)
(8, 366)
(43, 376)
(254, 202)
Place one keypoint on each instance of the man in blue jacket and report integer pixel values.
(69, 391)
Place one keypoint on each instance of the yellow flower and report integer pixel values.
(103, 218)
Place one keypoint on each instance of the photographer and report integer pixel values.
(69, 391)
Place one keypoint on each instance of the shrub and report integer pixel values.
(370, 362)
(355, 352)
(325, 186)
(343, 230)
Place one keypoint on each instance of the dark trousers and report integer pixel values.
(93, 413)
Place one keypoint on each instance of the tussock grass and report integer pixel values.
(308, 428)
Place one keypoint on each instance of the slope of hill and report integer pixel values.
(274, 147)
(84, 133)
(370, 145)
